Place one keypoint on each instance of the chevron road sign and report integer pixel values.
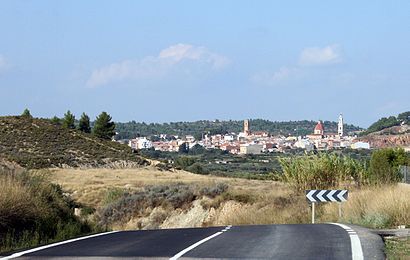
(326, 195)
(315, 196)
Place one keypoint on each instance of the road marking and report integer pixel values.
(15, 255)
(186, 250)
(357, 252)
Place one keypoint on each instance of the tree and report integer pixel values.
(68, 120)
(55, 120)
(103, 127)
(384, 165)
(84, 123)
(26, 113)
(404, 117)
(183, 148)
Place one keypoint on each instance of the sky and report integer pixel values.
(163, 61)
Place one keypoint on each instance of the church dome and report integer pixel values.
(319, 128)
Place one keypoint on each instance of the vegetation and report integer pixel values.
(321, 171)
(242, 201)
(384, 165)
(386, 122)
(55, 120)
(26, 113)
(34, 211)
(324, 171)
(84, 123)
(37, 143)
(397, 248)
(69, 120)
(199, 128)
(139, 204)
(103, 127)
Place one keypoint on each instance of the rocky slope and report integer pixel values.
(37, 143)
(396, 136)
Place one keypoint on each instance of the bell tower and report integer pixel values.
(246, 127)
(340, 125)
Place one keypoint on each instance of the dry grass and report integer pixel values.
(89, 186)
(16, 202)
(376, 207)
(256, 201)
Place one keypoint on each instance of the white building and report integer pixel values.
(140, 143)
(360, 145)
(251, 149)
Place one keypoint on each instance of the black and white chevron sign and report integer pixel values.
(326, 195)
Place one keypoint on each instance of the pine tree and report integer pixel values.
(84, 123)
(68, 121)
(103, 127)
(26, 113)
(55, 120)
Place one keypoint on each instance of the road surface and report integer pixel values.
(318, 241)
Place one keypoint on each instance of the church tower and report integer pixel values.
(340, 125)
(246, 127)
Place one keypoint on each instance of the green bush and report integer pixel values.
(384, 165)
(321, 171)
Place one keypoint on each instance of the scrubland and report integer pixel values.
(152, 194)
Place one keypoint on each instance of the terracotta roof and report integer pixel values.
(319, 126)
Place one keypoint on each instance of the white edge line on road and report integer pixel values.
(186, 250)
(15, 255)
(357, 252)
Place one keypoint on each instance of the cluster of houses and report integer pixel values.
(248, 142)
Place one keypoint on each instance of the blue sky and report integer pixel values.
(161, 61)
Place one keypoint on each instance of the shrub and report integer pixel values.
(321, 171)
(34, 211)
(384, 165)
(140, 203)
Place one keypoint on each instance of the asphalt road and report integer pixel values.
(318, 241)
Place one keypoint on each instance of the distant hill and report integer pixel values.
(132, 129)
(389, 132)
(38, 143)
(389, 123)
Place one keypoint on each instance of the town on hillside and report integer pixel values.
(256, 142)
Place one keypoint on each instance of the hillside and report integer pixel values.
(389, 125)
(37, 143)
(389, 131)
(395, 136)
(197, 128)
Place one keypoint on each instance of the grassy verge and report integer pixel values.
(33, 211)
(397, 248)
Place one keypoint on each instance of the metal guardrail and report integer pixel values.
(405, 173)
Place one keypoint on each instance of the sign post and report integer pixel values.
(313, 213)
(315, 196)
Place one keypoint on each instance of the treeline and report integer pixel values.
(386, 122)
(102, 127)
(198, 128)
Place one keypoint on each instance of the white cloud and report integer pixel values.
(273, 78)
(321, 56)
(156, 67)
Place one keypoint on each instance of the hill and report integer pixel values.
(132, 129)
(38, 143)
(388, 124)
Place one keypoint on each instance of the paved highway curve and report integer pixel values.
(318, 241)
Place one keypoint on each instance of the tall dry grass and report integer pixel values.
(17, 205)
(34, 211)
(375, 207)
